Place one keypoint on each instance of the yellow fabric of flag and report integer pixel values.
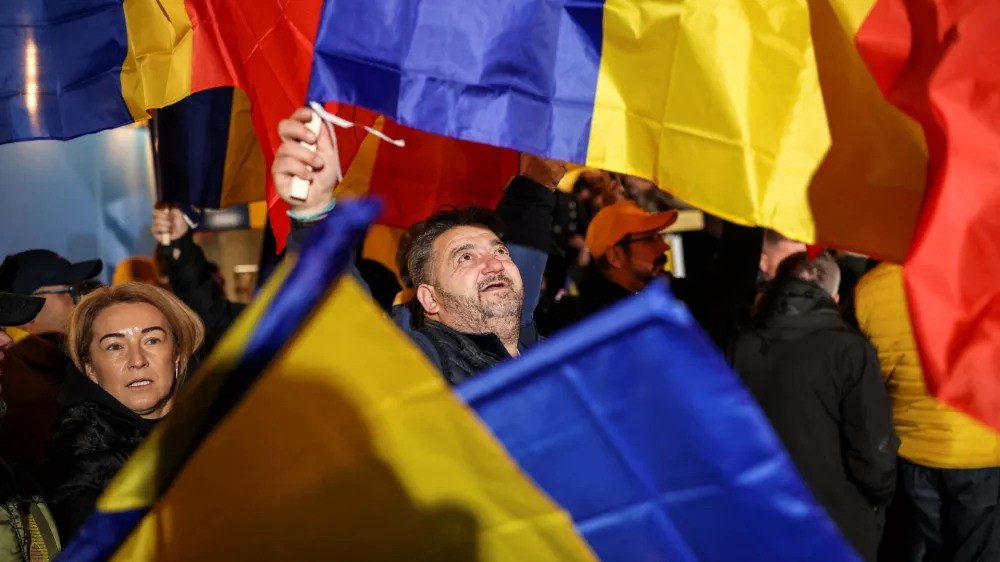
(760, 112)
(350, 446)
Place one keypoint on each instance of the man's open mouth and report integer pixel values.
(497, 285)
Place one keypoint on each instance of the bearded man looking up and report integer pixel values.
(470, 293)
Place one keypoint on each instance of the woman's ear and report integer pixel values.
(89, 371)
(428, 299)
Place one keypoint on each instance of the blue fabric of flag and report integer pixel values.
(634, 423)
(385, 55)
(60, 68)
(192, 137)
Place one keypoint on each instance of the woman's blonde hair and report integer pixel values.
(182, 323)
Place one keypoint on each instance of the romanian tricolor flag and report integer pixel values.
(864, 125)
(759, 112)
(73, 68)
(206, 151)
(317, 431)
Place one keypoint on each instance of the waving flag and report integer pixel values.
(759, 112)
(635, 424)
(317, 431)
(206, 151)
(73, 68)
(929, 57)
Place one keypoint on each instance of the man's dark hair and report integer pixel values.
(424, 233)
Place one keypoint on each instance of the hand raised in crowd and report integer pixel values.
(294, 160)
(542, 170)
(169, 222)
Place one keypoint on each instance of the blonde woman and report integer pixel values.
(130, 345)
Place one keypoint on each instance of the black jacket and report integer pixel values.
(94, 435)
(721, 294)
(191, 279)
(818, 381)
(596, 293)
(460, 356)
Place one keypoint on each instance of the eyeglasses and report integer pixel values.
(630, 239)
(71, 290)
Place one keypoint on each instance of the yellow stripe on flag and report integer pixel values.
(244, 175)
(867, 194)
(381, 245)
(157, 68)
(798, 136)
(381, 242)
(350, 446)
(747, 157)
(357, 179)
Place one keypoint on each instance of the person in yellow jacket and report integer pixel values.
(949, 467)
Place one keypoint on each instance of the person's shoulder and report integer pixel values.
(91, 427)
(78, 426)
(848, 337)
(422, 339)
(560, 314)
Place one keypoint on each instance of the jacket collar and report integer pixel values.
(792, 308)
(77, 389)
(597, 292)
(491, 344)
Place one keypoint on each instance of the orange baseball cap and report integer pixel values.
(613, 223)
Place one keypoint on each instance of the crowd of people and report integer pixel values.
(903, 476)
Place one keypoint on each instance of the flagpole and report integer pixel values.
(154, 142)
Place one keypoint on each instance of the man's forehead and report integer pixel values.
(464, 235)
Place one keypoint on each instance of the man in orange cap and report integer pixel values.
(629, 251)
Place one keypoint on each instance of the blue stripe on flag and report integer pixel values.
(520, 74)
(327, 254)
(100, 535)
(60, 68)
(633, 422)
(192, 138)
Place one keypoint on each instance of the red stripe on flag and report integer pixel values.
(948, 80)
(433, 171)
(267, 50)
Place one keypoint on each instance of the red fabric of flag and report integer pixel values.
(433, 171)
(936, 60)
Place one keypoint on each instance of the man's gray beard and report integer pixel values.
(480, 317)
